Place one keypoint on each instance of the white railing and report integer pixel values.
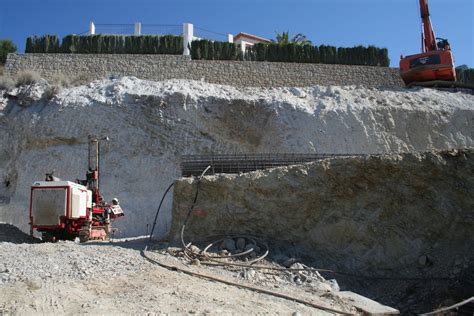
(187, 33)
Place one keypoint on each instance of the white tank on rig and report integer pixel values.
(52, 203)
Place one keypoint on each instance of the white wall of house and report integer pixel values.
(245, 42)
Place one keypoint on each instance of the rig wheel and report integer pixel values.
(84, 235)
(48, 237)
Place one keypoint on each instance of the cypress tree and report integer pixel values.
(322, 54)
(29, 44)
(128, 45)
(46, 44)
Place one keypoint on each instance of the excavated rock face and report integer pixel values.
(151, 124)
(407, 214)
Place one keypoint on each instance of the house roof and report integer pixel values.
(254, 37)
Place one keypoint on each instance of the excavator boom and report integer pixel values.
(428, 36)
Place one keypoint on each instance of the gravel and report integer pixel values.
(113, 277)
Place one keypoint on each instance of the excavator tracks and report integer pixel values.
(454, 86)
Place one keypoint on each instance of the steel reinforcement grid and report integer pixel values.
(194, 165)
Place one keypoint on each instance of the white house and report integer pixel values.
(245, 39)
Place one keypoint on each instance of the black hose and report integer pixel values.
(189, 212)
(156, 215)
(192, 206)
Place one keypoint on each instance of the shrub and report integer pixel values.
(6, 83)
(61, 80)
(465, 75)
(80, 80)
(27, 77)
(51, 91)
(57, 82)
(6, 46)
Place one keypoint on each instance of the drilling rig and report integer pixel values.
(66, 210)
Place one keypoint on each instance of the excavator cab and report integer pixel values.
(443, 44)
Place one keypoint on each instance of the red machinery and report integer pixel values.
(66, 210)
(436, 61)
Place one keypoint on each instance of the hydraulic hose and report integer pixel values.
(156, 215)
(191, 208)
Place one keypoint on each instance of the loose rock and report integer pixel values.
(289, 262)
(228, 244)
(333, 284)
(240, 243)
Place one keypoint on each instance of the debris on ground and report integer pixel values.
(113, 277)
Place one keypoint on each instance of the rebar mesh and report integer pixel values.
(193, 165)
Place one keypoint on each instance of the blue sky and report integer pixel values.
(394, 24)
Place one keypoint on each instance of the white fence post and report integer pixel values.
(230, 38)
(91, 28)
(138, 28)
(188, 30)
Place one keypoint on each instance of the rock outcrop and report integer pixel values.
(399, 214)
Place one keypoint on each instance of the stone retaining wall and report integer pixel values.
(236, 73)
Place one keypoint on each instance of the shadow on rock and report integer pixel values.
(12, 234)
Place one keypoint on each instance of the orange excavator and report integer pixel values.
(435, 64)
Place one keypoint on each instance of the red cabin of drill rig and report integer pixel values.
(436, 61)
(65, 210)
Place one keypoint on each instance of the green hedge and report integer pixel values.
(213, 50)
(359, 55)
(43, 44)
(106, 44)
(465, 75)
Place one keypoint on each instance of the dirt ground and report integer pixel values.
(114, 278)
